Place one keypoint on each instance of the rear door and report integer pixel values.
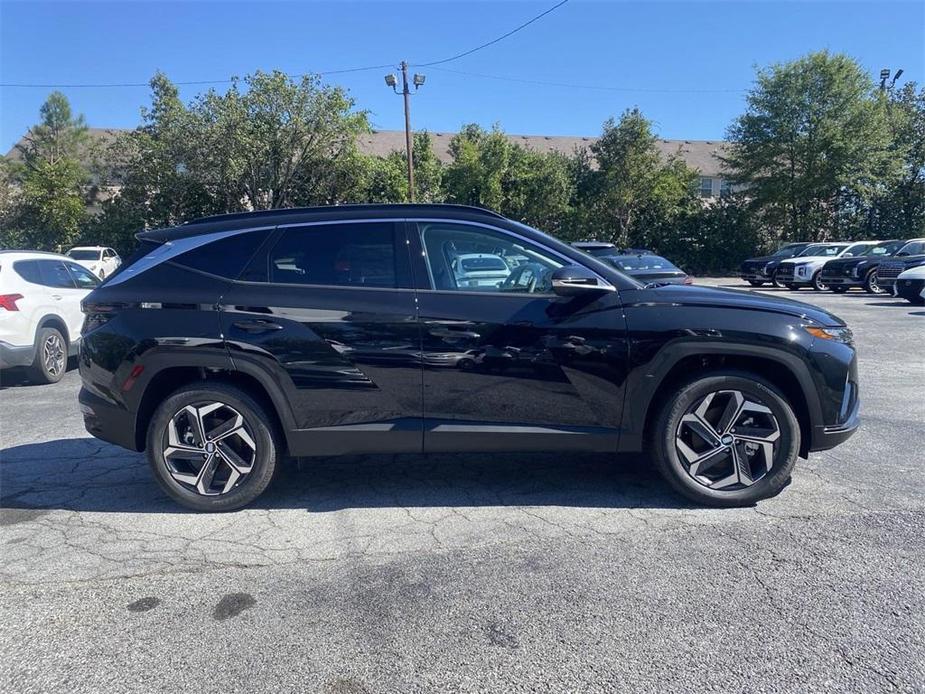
(327, 311)
(511, 364)
(64, 294)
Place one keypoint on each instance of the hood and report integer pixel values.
(765, 259)
(810, 259)
(905, 260)
(695, 295)
(854, 260)
(915, 273)
(651, 275)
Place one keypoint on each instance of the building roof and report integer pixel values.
(701, 155)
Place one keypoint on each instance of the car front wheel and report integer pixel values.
(776, 282)
(726, 439)
(818, 284)
(872, 284)
(211, 447)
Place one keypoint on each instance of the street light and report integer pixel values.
(885, 76)
(392, 82)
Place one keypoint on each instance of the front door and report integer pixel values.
(507, 363)
(328, 310)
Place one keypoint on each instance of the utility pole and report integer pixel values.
(409, 146)
(417, 81)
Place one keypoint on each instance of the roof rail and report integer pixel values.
(284, 212)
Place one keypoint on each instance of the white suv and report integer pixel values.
(40, 318)
(99, 260)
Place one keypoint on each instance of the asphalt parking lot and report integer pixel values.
(472, 573)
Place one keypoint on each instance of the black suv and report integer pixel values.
(762, 270)
(909, 256)
(841, 274)
(232, 341)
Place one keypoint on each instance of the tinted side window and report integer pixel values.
(351, 255)
(55, 274)
(467, 258)
(28, 270)
(83, 278)
(225, 257)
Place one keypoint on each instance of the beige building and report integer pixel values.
(700, 155)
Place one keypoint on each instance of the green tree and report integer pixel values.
(488, 170)
(629, 187)
(899, 209)
(812, 146)
(50, 207)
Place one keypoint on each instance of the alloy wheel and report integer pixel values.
(874, 284)
(53, 355)
(818, 284)
(727, 440)
(209, 448)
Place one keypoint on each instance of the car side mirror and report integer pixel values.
(572, 280)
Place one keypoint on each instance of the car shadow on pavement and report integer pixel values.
(18, 376)
(87, 475)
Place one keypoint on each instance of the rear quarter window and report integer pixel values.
(225, 257)
(28, 270)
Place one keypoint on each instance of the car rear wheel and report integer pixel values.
(726, 439)
(872, 283)
(211, 447)
(818, 284)
(50, 361)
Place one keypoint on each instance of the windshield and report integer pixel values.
(641, 263)
(483, 263)
(913, 248)
(83, 254)
(831, 249)
(787, 251)
(857, 249)
(888, 248)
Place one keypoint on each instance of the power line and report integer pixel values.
(543, 83)
(493, 41)
(179, 84)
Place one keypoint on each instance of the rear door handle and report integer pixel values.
(56, 297)
(258, 325)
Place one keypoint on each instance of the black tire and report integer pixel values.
(664, 448)
(43, 369)
(776, 282)
(266, 455)
(839, 290)
(755, 283)
(871, 283)
(818, 284)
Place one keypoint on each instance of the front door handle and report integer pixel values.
(56, 297)
(258, 325)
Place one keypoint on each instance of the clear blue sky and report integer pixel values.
(639, 46)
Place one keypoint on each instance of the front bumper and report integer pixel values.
(830, 436)
(841, 281)
(15, 355)
(755, 277)
(910, 290)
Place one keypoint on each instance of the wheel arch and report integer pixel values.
(169, 379)
(784, 371)
(51, 320)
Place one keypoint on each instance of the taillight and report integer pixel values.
(97, 314)
(8, 301)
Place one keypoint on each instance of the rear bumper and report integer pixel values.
(15, 355)
(107, 421)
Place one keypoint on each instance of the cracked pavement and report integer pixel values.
(468, 572)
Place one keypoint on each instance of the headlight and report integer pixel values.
(841, 334)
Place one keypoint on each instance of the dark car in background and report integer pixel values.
(599, 248)
(233, 341)
(841, 274)
(648, 268)
(761, 270)
(909, 256)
